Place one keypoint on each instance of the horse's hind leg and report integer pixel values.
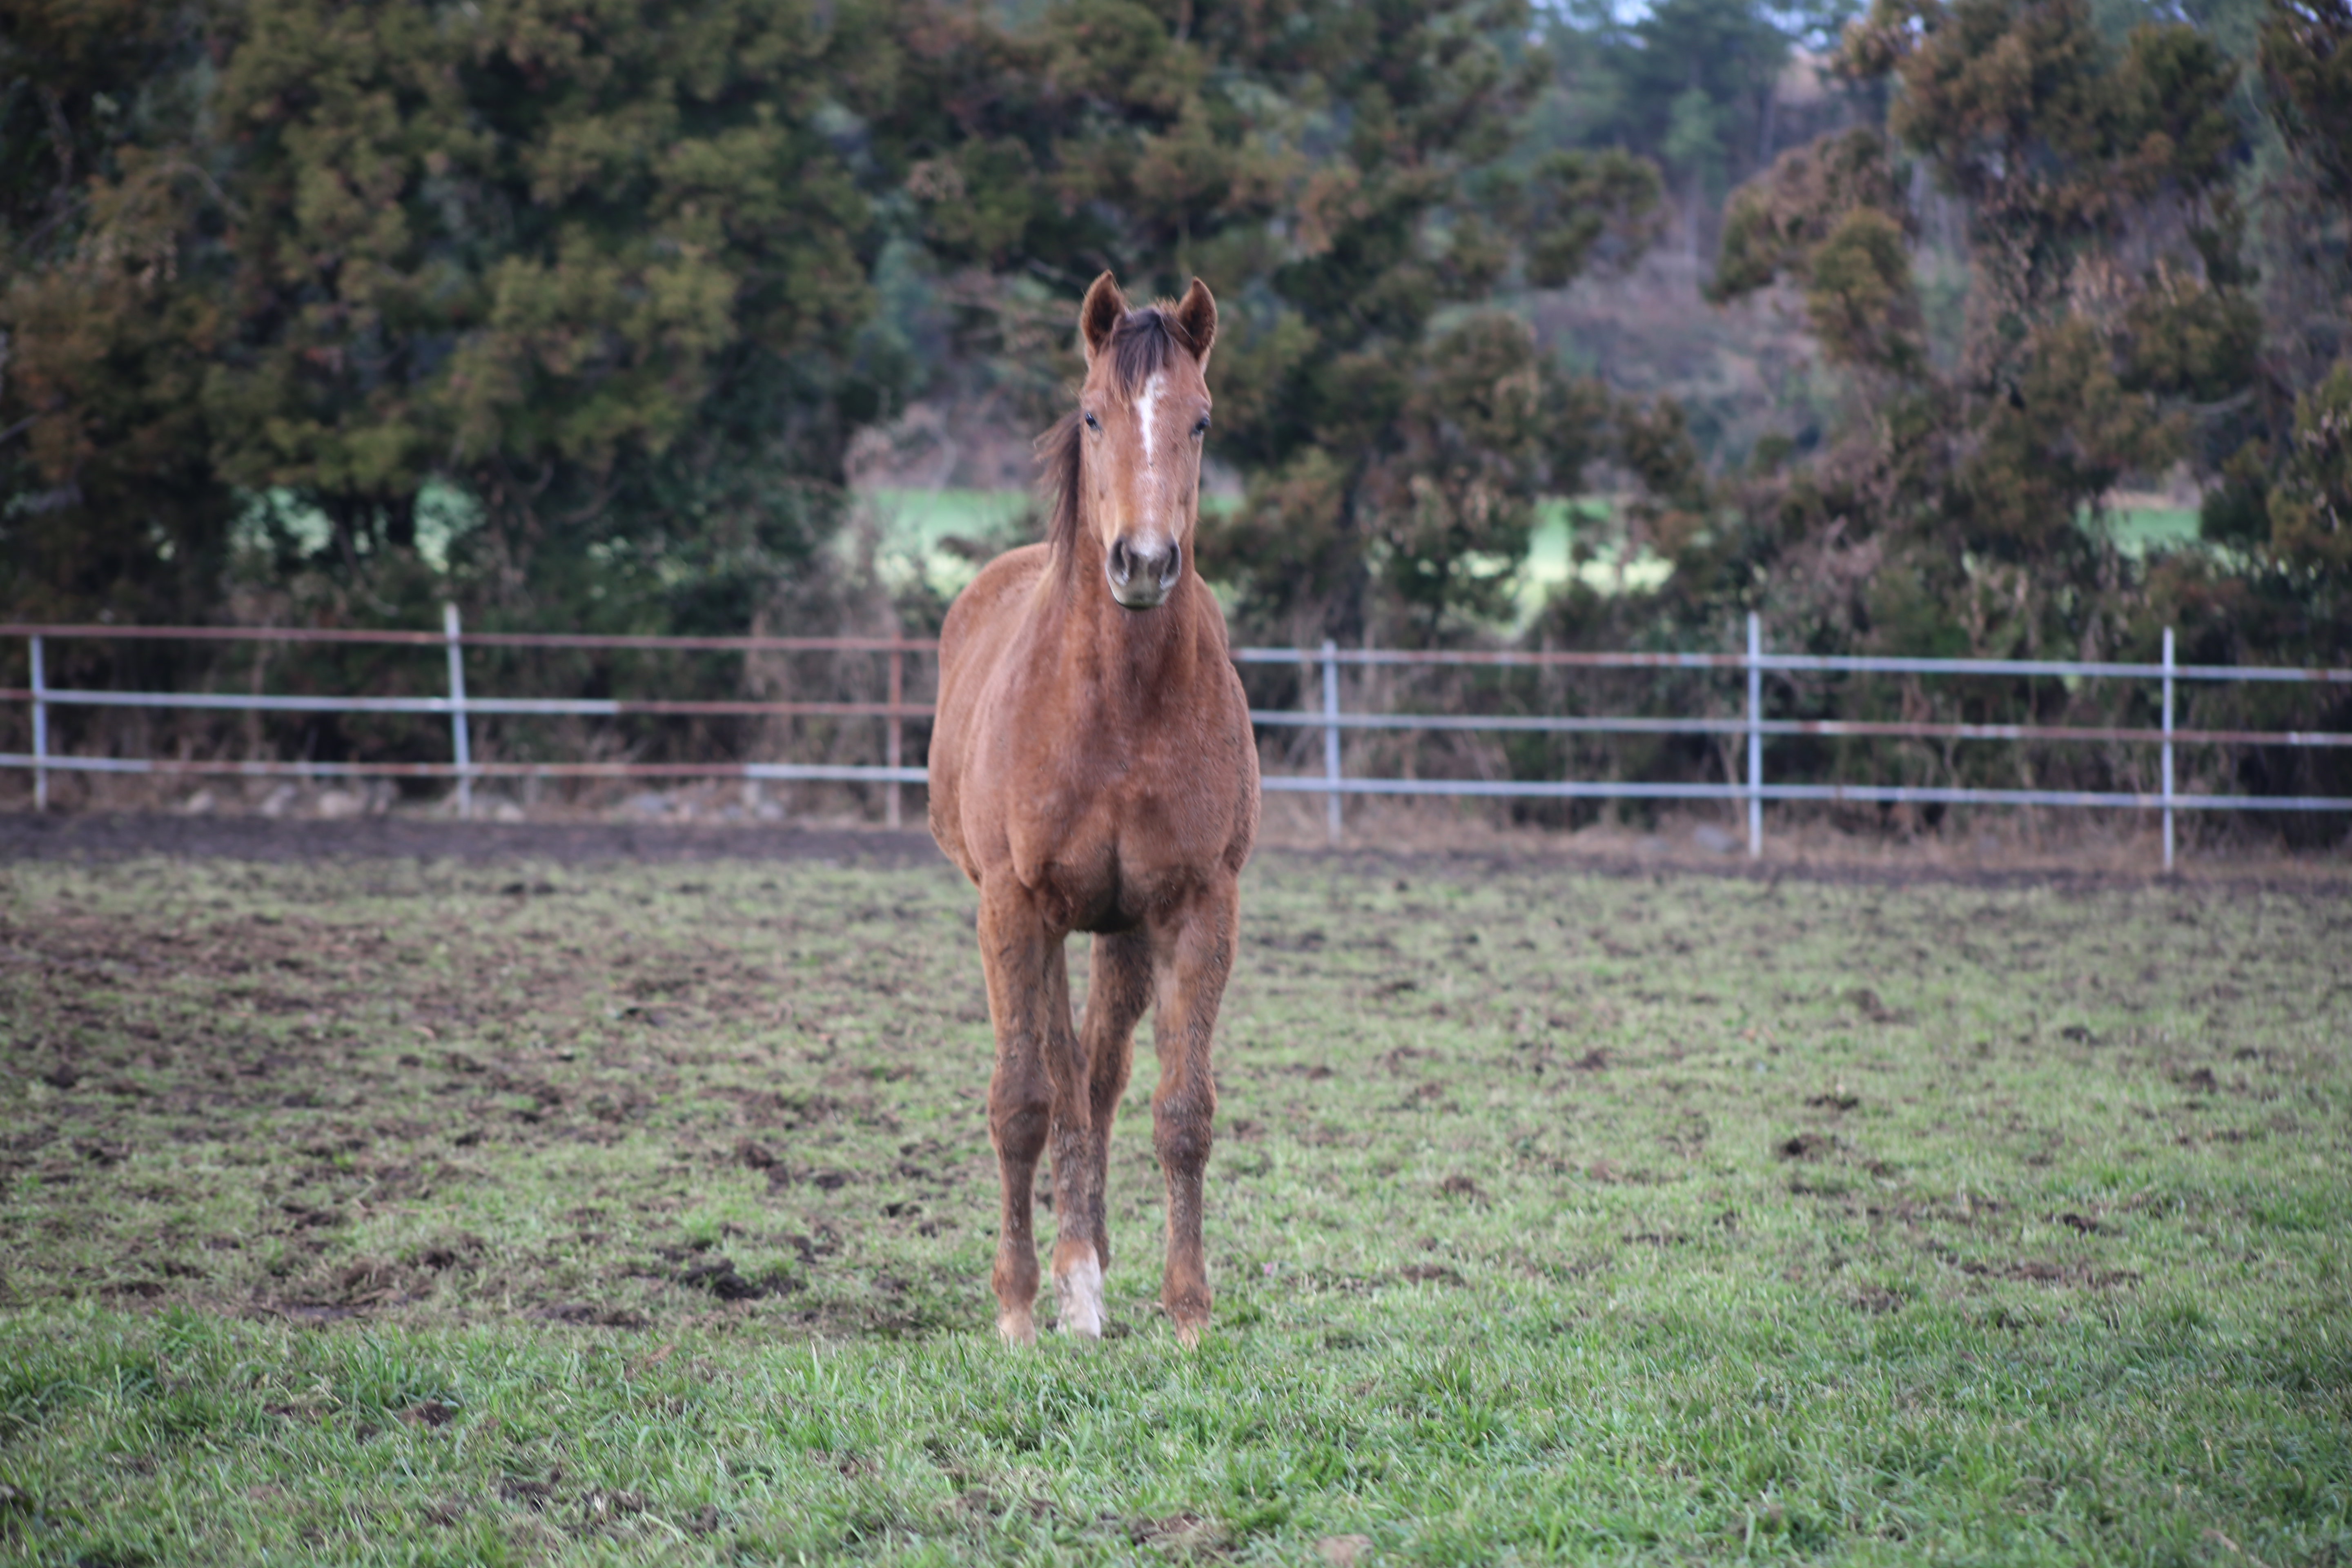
(1194, 955)
(1118, 988)
(1028, 996)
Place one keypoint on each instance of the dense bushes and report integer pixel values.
(325, 311)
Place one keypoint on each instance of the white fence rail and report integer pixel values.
(1333, 784)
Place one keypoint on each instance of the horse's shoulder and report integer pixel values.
(989, 606)
(1011, 574)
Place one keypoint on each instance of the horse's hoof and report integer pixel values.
(1016, 1327)
(1189, 1318)
(1079, 1291)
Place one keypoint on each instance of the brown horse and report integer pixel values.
(1092, 769)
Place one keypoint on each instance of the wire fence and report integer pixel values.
(1321, 711)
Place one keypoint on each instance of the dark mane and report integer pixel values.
(1139, 347)
(1057, 467)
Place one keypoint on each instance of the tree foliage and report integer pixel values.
(110, 312)
(2307, 58)
(1345, 174)
(598, 264)
(330, 308)
(605, 274)
(2114, 330)
(2109, 326)
(1686, 84)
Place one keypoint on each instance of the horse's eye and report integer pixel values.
(1200, 426)
(1094, 424)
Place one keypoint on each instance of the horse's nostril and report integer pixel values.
(1158, 567)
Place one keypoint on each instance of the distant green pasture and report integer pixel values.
(913, 525)
(2138, 530)
(460, 1214)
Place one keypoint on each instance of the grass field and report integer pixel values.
(435, 1213)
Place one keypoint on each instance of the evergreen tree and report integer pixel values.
(600, 265)
(1688, 84)
(2110, 327)
(1342, 175)
(2283, 496)
(111, 271)
(2306, 57)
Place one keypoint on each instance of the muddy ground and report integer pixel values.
(608, 1074)
(115, 836)
(526, 1190)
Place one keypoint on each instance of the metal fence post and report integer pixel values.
(2167, 748)
(460, 747)
(1331, 739)
(40, 732)
(892, 739)
(1755, 736)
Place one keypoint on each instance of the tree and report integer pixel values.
(108, 273)
(1688, 84)
(600, 264)
(1343, 176)
(2307, 58)
(602, 273)
(2110, 329)
(2274, 487)
(597, 270)
(2311, 510)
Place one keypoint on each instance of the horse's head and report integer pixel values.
(1143, 416)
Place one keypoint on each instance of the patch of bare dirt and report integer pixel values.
(1441, 851)
(26, 835)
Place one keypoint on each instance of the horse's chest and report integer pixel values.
(1106, 857)
(1114, 830)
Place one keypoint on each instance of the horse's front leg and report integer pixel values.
(1119, 989)
(1037, 1096)
(1024, 972)
(1193, 954)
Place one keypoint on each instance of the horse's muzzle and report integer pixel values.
(1140, 579)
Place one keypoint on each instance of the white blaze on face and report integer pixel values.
(1153, 526)
(1147, 404)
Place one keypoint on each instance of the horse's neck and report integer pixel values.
(1124, 662)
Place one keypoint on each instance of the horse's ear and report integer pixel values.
(1196, 320)
(1100, 316)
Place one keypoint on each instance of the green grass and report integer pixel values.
(435, 1213)
(1551, 560)
(2142, 529)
